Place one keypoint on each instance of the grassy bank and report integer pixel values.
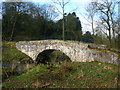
(65, 75)
(11, 54)
(10, 58)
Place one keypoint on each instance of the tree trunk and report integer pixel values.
(110, 37)
(12, 33)
(93, 30)
(93, 27)
(63, 23)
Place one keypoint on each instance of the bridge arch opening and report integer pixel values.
(51, 56)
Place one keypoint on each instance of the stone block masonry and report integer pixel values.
(76, 51)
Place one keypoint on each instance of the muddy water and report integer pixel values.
(13, 69)
(19, 67)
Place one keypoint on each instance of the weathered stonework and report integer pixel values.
(76, 51)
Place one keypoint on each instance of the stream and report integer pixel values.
(19, 67)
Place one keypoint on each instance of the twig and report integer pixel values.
(46, 85)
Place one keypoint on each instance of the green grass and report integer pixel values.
(67, 75)
(11, 54)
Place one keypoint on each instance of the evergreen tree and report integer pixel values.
(87, 37)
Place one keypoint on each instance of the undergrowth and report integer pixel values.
(67, 75)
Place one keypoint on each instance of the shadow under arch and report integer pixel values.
(51, 56)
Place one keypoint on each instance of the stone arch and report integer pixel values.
(46, 53)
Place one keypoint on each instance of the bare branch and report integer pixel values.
(58, 3)
(66, 2)
(104, 32)
(59, 11)
(84, 17)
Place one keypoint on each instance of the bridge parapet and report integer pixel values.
(76, 51)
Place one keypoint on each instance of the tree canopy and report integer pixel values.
(31, 21)
(28, 21)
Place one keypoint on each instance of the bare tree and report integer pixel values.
(91, 10)
(62, 4)
(48, 11)
(117, 31)
(106, 10)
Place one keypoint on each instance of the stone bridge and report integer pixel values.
(76, 51)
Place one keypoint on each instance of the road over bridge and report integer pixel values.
(76, 51)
